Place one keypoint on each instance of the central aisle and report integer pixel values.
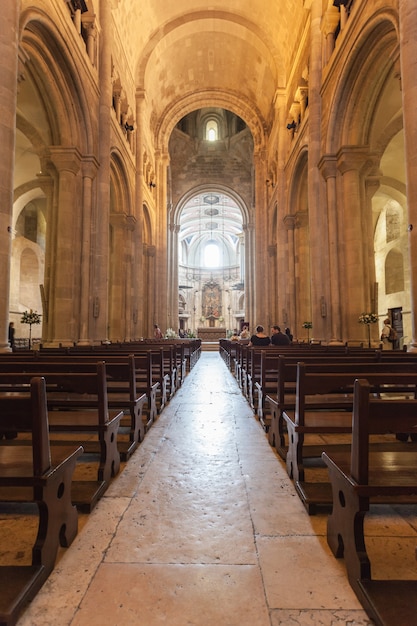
(201, 528)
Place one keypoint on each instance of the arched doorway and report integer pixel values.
(211, 262)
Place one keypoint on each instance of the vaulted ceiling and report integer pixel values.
(238, 51)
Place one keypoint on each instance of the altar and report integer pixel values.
(211, 334)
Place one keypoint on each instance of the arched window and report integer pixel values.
(212, 130)
(211, 255)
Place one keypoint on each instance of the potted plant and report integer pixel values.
(368, 319)
(308, 325)
(30, 317)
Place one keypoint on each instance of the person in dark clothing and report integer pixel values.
(11, 334)
(260, 339)
(289, 334)
(278, 338)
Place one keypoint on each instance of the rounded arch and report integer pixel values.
(176, 210)
(57, 81)
(297, 183)
(204, 98)
(361, 81)
(120, 189)
(147, 225)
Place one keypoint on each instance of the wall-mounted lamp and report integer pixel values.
(152, 184)
(292, 126)
(129, 127)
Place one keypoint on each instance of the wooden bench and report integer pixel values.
(281, 387)
(144, 381)
(363, 476)
(78, 405)
(40, 474)
(121, 388)
(323, 405)
(264, 370)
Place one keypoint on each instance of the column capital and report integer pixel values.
(328, 166)
(123, 221)
(352, 158)
(65, 159)
(330, 21)
(89, 166)
(289, 222)
(149, 251)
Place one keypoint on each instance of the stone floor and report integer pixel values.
(203, 527)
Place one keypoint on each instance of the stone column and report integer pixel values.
(331, 20)
(163, 315)
(9, 34)
(282, 260)
(64, 294)
(150, 297)
(258, 256)
(129, 258)
(249, 277)
(138, 278)
(328, 167)
(89, 171)
(353, 260)
(121, 261)
(101, 212)
(49, 185)
(408, 47)
(289, 312)
(172, 263)
(318, 227)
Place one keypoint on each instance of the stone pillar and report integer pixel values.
(282, 259)
(162, 314)
(250, 273)
(318, 227)
(49, 185)
(172, 263)
(353, 258)
(150, 296)
(138, 278)
(91, 41)
(290, 292)
(262, 226)
(101, 213)
(64, 294)
(9, 34)
(89, 171)
(120, 276)
(408, 47)
(328, 167)
(331, 20)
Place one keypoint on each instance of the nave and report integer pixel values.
(203, 527)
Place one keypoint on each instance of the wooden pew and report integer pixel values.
(364, 476)
(280, 386)
(40, 474)
(145, 382)
(121, 388)
(323, 404)
(78, 405)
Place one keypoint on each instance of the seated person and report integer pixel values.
(235, 336)
(278, 338)
(260, 339)
(245, 333)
